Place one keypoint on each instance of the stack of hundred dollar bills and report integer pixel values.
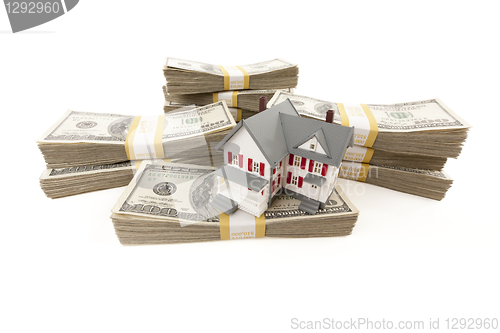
(142, 215)
(87, 151)
(401, 146)
(84, 148)
(195, 83)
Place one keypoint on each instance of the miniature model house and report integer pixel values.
(278, 150)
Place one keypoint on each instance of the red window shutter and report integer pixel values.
(324, 169)
(261, 169)
(273, 187)
(288, 177)
(300, 181)
(240, 160)
(281, 163)
(290, 159)
(311, 165)
(250, 164)
(279, 179)
(229, 157)
(274, 171)
(303, 163)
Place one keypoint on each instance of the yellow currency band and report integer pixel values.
(129, 148)
(234, 99)
(372, 135)
(343, 115)
(363, 173)
(246, 78)
(260, 226)
(238, 114)
(368, 155)
(224, 226)
(158, 135)
(373, 126)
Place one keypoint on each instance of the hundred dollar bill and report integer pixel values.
(62, 182)
(191, 77)
(169, 203)
(171, 190)
(237, 113)
(243, 99)
(85, 138)
(425, 183)
(90, 127)
(431, 114)
(258, 68)
(426, 127)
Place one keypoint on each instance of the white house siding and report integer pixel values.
(250, 201)
(242, 143)
(278, 175)
(321, 193)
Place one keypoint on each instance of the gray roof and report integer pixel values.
(247, 179)
(333, 138)
(279, 130)
(314, 179)
(264, 129)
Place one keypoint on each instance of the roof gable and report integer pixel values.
(280, 130)
(265, 129)
(333, 138)
(315, 144)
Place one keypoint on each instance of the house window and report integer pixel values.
(295, 180)
(296, 161)
(317, 167)
(314, 186)
(235, 160)
(312, 146)
(255, 166)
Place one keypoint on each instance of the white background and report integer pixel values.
(409, 258)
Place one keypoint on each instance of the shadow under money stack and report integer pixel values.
(85, 138)
(194, 83)
(400, 146)
(142, 215)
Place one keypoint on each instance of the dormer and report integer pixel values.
(313, 144)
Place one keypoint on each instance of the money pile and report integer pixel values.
(245, 99)
(424, 183)
(58, 183)
(410, 142)
(85, 138)
(190, 77)
(237, 113)
(169, 203)
(426, 127)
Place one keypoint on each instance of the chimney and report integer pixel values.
(262, 103)
(329, 116)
